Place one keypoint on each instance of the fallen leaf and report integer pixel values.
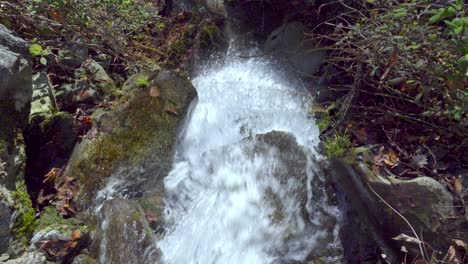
(172, 111)
(458, 187)
(453, 256)
(76, 235)
(155, 92)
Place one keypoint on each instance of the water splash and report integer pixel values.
(217, 203)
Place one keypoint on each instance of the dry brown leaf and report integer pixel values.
(172, 111)
(453, 256)
(458, 186)
(76, 235)
(155, 92)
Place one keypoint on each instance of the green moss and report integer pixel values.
(145, 128)
(323, 122)
(210, 35)
(50, 218)
(336, 145)
(26, 221)
(179, 47)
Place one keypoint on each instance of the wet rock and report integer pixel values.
(290, 43)
(43, 99)
(134, 139)
(424, 202)
(124, 234)
(291, 170)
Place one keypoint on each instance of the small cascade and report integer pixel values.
(246, 187)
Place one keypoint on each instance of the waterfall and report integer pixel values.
(231, 198)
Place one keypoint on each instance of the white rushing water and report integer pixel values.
(215, 195)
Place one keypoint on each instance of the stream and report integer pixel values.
(233, 199)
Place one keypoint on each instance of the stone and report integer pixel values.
(289, 42)
(73, 54)
(6, 220)
(30, 257)
(83, 259)
(124, 234)
(134, 139)
(291, 162)
(216, 6)
(43, 99)
(424, 202)
(92, 83)
(15, 104)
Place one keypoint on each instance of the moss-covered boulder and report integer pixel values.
(124, 235)
(369, 192)
(135, 137)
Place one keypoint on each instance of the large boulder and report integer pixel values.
(368, 194)
(134, 139)
(15, 99)
(124, 235)
(289, 42)
(291, 169)
(15, 104)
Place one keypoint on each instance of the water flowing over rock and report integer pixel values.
(241, 190)
(133, 140)
(124, 234)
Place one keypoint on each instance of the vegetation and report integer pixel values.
(25, 223)
(405, 66)
(336, 145)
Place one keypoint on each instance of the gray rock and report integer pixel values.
(289, 42)
(216, 6)
(73, 54)
(83, 259)
(31, 257)
(6, 219)
(15, 104)
(92, 83)
(124, 234)
(43, 99)
(15, 72)
(424, 202)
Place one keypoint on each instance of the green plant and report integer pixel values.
(336, 145)
(26, 221)
(37, 50)
(142, 81)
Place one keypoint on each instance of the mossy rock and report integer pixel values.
(141, 133)
(124, 235)
(423, 201)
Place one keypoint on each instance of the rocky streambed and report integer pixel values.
(154, 170)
